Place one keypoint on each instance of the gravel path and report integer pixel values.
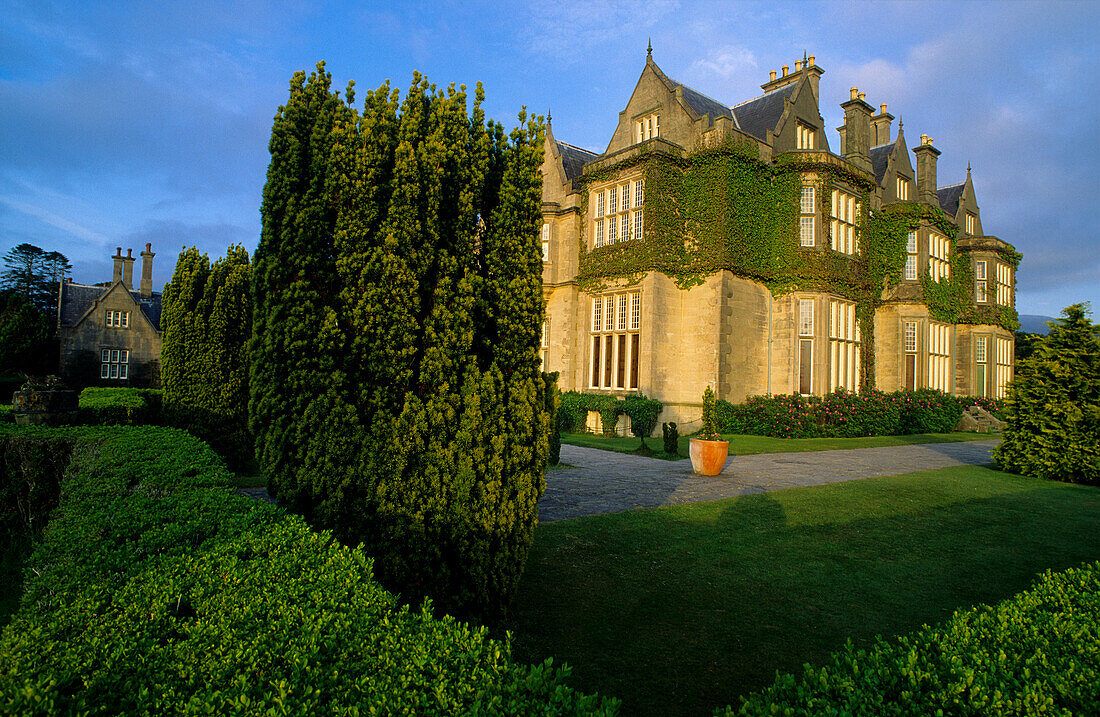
(606, 482)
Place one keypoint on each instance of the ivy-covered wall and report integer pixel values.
(722, 208)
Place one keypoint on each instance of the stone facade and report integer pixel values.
(109, 333)
(646, 334)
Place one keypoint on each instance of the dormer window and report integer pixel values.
(805, 139)
(647, 127)
(903, 189)
(971, 224)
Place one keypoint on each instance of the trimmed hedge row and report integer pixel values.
(1035, 653)
(120, 406)
(574, 408)
(156, 589)
(844, 414)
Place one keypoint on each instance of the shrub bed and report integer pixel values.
(155, 589)
(120, 406)
(1035, 653)
(573, 413)
(843, 414)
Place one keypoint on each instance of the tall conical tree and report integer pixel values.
(426, 438)
(294, 282)
(207, 322)
(1053, 405)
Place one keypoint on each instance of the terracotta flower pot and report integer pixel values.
(708, 458)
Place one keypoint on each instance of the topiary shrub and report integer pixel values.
(1034, 653)
(671, 438)
(1052, 411)
(709, 431)
(120, 406)
(156, 590)
(643, 414)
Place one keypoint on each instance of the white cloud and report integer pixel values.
(724, 62)
(55, 221)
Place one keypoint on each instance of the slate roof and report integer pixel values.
(76, 299)
(760, 115)
(573, 159)
(949, 198)
(880, 158)
(701, 105)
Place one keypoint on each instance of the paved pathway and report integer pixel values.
(606, 482)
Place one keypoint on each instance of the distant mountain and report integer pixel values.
(1035, 324)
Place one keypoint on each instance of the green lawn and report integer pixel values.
(682, 609)
(748, 445)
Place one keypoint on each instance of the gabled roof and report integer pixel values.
(760, 115)
(77, 299)
(701, 105)
(949, 197)
(880, 160)
(573, 159)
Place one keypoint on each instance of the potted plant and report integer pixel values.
(708, 452)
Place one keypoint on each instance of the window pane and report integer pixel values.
(114, 371)
(596, 343)
(620, 378)
(608, 349)
(114, 355)
(123, 371)
(635, 342)
(105, 356)
(123, 356)
(105, 370)
(126, 319)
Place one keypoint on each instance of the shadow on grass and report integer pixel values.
(680, 610)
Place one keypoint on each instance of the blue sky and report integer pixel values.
(122, 124)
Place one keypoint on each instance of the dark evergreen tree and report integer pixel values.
(207, 322)
(1052, 412)
(26, 338)
(35, 274)
(423, 434)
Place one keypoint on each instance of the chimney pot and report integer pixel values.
(882, 108)
(811, 60)
(771, 76)
(855, 93)
(785, 68)
(924, 139)
(863, 95)
(798, 65)
(118, 251)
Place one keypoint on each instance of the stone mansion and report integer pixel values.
(942, 318)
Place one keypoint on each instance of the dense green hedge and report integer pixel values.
(155, 590)
(1035, 653)
(643, 412)
(120, 406)
(843, 414)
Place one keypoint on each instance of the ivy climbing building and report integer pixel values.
(730, 246)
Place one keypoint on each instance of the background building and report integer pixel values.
(109, 334)
(730, 246)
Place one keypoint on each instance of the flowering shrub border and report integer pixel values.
(844, 414)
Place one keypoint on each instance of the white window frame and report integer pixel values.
(114, 364)
(902, 189)
(806, 223)
(939, 253)
(648, 127)
(911, 257)
(939, 356)
(844, 346)
(616, 217)
(971, 223)
(845, 210)
(614, 316)
(545, 242)
(1004, 284)
(1003, 368)
(805, 136)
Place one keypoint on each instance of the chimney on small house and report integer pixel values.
(128, 269)
(880, 126)
(117, 258)
(926, 171)
(856, 134)
(147, 270)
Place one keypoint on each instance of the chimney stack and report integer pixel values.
(926, 171)
(128, 270)
(856, 136)
(147, 271)
(805, 66)
(771, 76)
(880, 126)
(117, 258)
